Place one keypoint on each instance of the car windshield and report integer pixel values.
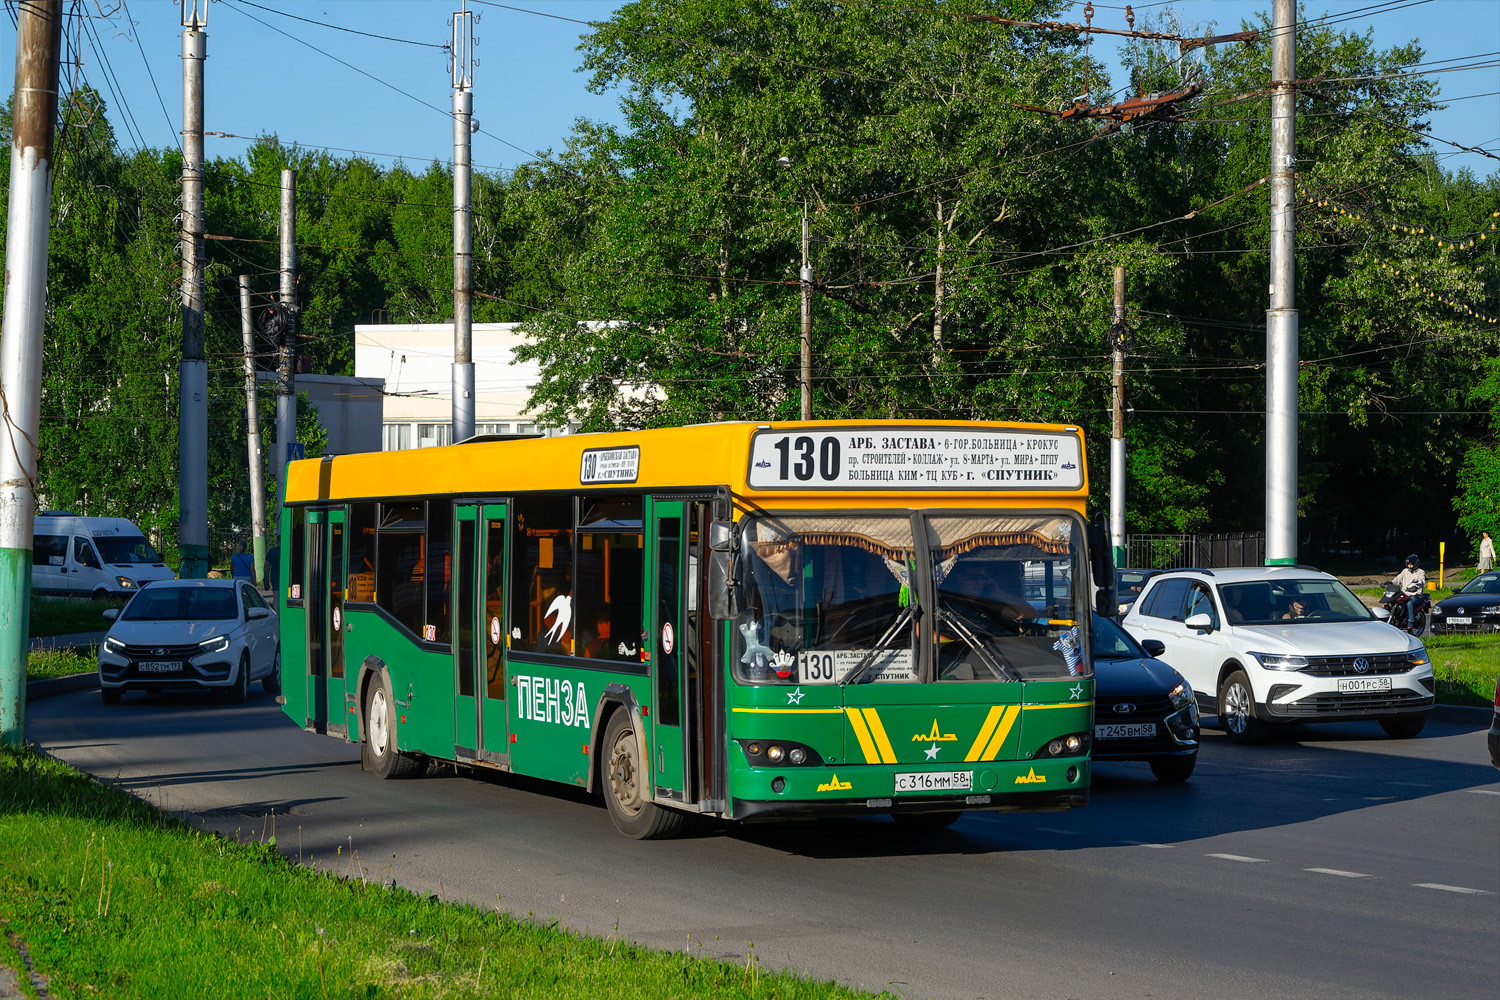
(120, 550)
(837, 599)
(1485, 583)
(1291, 602)
(181, 604)
(1110, 642)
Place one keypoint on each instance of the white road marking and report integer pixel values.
(1142, 843)
(1239, 857)
(1482, 791)
(1335, 871)
(1451, 888)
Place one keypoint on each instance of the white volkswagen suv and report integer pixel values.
(1272, 645)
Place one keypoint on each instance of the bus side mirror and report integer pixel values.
(723, 595)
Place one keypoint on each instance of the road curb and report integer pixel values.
(1462, 713)
(49, 686)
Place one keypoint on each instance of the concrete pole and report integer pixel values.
(807, 283)
(34, 108)
(286, 383)
(252, 436)
(1281, 317)
(1117, 429)
(463, 227)
(192, 370)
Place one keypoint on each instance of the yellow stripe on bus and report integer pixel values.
(985, 730)
(790, 711)
(888, 754)
(862, 733)
(998, 740)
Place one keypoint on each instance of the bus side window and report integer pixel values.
(542, 605)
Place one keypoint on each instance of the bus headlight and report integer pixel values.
(1071, 745)
(764, 753)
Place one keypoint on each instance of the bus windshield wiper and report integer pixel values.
(900, 621)
(967, 634)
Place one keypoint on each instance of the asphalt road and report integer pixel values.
(1334, 863)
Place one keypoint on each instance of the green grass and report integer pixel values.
(109, 898)
(1465, 667)
(60, 662)
(67, 615)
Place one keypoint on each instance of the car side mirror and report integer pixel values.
(255, 614)
(111, 613)
(1200, 621)
(1153, 647)
(1380, 612)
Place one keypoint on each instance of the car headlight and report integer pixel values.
(217, 644)
(125, 582)
(1181, 693)
(1280, 661)
(113, 645)
(1418, 656)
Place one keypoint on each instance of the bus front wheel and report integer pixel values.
(380, 735)
(625, 785)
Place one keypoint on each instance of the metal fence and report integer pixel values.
(1235, 548)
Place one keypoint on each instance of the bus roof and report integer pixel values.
(960, 459)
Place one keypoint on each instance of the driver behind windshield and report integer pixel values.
(980, 580)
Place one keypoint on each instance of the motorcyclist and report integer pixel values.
(1412, 583)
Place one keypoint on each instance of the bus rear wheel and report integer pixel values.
(625, 783)
(380, 735)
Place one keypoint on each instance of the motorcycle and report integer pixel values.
(1409, 612)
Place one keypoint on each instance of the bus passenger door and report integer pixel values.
(669, 630)
(325, 621)
(480, 728)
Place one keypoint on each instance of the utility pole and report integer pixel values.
(1281, 317)
(192, 370)
(34, 108)
(252, 436)
(1117, 430)
(807, 284)
(286, 398)
(463, 225)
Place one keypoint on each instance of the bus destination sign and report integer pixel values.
(932, 458)
(610, 465)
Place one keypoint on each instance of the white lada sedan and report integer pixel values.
(192, 635)
(1263, 646)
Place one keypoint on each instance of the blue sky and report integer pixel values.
(311, 72)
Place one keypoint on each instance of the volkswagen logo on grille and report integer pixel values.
(1361, 664)
(1125, 708)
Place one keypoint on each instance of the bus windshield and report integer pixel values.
(840, 599)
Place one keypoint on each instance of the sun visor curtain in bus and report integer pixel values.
(890, 537)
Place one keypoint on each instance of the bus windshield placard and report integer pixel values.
(934, 458)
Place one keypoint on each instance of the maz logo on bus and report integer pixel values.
(547, 699)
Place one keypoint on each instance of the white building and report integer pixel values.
(415, 363)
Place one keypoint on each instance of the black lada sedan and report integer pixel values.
(1143, 709)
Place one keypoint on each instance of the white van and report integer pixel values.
(91, 556)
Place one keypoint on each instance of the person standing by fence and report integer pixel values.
(242, 564)
(1486, 552)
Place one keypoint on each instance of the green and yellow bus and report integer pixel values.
(742, 620)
